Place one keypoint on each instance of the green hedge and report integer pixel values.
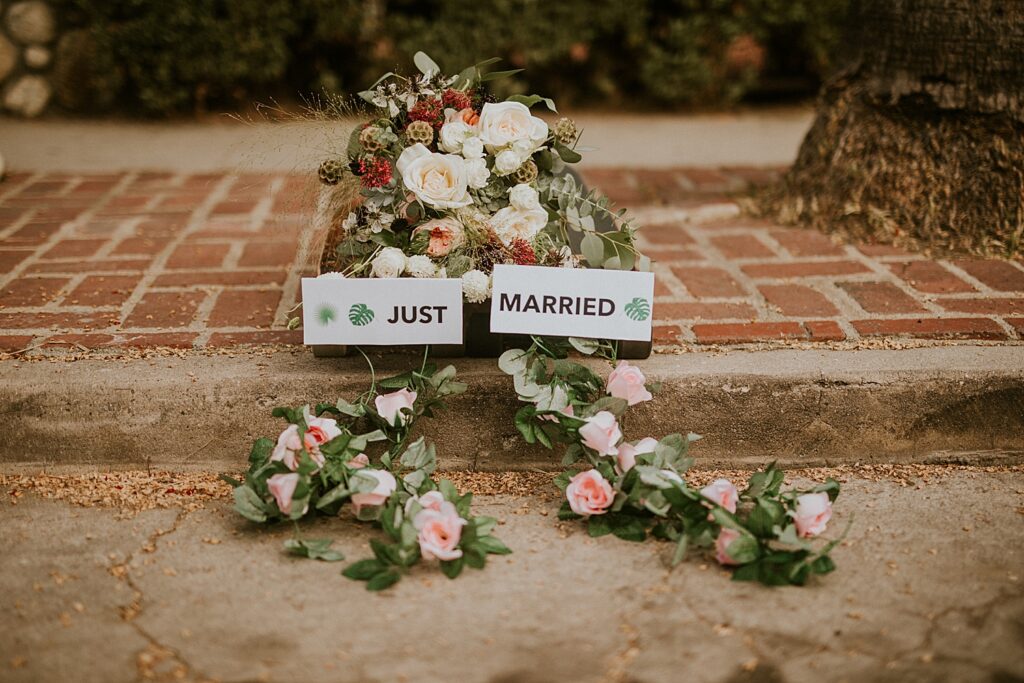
(173, 56)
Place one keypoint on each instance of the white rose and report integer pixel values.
(524, 197)
(390, 262)
(476, 285)
(503, 123)
(453, 134)
(472, 148)
(421, 266)
(478, 173)
(511, 223)
(506, 162)
(438, 180)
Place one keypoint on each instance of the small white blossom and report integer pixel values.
(477, 173)
(524, 197)
(390, 262)
(420, 266)
(476, 286)
(350, 223)
(506, 162)
(472, 148)
(331, 276)
(381, 221)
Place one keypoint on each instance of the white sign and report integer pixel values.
(572, 302)
(381, 311)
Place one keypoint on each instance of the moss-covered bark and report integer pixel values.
(920, 140)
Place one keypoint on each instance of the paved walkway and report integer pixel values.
(142, 259)
(925, 590)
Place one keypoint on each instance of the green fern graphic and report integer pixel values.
(360, 314)
(638, 309)
(326, 314)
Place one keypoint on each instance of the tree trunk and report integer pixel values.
(919, 140)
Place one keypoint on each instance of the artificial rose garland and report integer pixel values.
(319, 463)
(634, 490)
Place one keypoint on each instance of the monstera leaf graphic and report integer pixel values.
(326, 314)
(638, 309)
(360, 314)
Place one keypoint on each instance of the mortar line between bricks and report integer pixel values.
(24, 219)
(65, 230)
(196, 219)
(967, 277)
(889, 276)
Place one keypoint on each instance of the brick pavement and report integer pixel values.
(195, 261)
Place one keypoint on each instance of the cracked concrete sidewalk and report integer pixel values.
(928, 588)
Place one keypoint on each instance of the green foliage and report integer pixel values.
(196, 54)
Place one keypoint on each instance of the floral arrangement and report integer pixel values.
(319, 463)
(633, 489)
(453, 182)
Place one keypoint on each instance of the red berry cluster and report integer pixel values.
(456, 99)
(522, 253)
(375, 171)
(429, 110)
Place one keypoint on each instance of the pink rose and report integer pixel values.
(445, 234)
(723, 492)
(439, 532)
(320, 430)
(589, 493)
(601, 433)
(813, 510)
(288, 447)
(626, 381)
(386, 485)
(282, 487)
(359, 462)
(722, 543)
(431, 500)
(389, 406)
(627, 453)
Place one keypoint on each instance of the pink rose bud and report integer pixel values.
(389, 406)
(386, 485)
(813, 510)
(288, 446)
(601, 433)
(627, 453)
(589, 493)
(626, 381)
(722, 543)
(431, 500)
(439, 532)
(282, 488)
(359, 462)
(723, 492)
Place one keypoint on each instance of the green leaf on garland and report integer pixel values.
(313, 548)
(383, 580)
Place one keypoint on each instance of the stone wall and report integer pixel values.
(28, 39)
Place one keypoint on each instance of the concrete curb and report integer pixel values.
(807, 407)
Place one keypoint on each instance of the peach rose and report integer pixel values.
(389, 406)
(438, 180)
(722, 543)
(626, 456)
(723, 492)
(589, 493)
(359, 462)
(386, 485)
(627, 382)
(601, 433)
(439, 532)
(812, 513)
(282, 488)
(445, 234)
